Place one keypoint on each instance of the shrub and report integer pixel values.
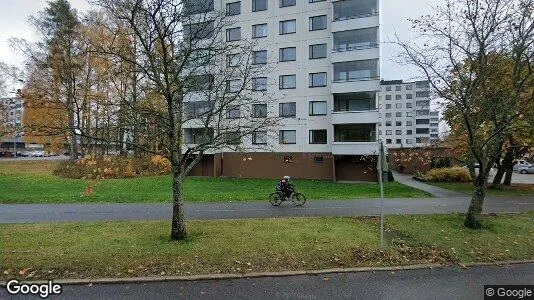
(102, 167)
(456, 174)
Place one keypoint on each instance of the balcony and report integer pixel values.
(355, 148)
(356, 54)
(355, 14)
(355, 117)
(355, 85)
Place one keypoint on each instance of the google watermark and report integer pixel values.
(43, 290)
(509, 292)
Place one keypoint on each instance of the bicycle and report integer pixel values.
(278, 197)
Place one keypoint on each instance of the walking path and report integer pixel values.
(434, 190)
(34, 213)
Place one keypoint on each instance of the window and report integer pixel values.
(422, 84)
(259, 84)
(398, 114)
(285, 3)
(197, 109)
(409, 132)
(362, 101)
(288, 136)
(288, 82)
(318, 159)
(288, 54)
(409, 123)
(313, 1)
(388, 115)
(233, 34)
(289, 26)
(200, 83)
(388, 106)
(259, 137)
(233, 9)
(318, 136)
(234, 112)
(259, 110)
(198, 135)
(232, 137)
(388, 141)
(317, 23)
(422, 131)
(232, 60)
(198, 31)
(288, 109)
(409, 87)
(352, 40)
(388, 88)
(408, 105)
(388, 123)
(318, 108)
(192, 7)
(355, 133)
(355, 70)
(409, 96)
(398, 97)
(389, 132)
(259, 57)
(398, 132)
(233, 86)
(398, 105)
(398, 123)
(409, 114)
(259, 5)
(388, 97)
(259, 31)
(422, 94)
(318, 51)
(422, 121)
(317, 79)
(344, 10)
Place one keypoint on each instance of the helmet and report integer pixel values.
(287, 178)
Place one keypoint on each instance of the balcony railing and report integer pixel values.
(357, 15)
(354, 47)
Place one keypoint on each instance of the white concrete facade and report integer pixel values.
(361, 76)
(406, 117)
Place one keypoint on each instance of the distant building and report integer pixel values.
(406, 117)
(11, 110)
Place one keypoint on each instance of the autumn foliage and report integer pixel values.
(103, 167)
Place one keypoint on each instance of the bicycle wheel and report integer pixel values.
(298, 199)
(275, 199)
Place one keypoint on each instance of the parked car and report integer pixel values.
(524, 167)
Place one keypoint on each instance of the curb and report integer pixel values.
(149, 279)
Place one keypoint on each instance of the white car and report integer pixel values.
(524, 167)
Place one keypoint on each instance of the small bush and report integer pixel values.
(455, 174)
(102, 167)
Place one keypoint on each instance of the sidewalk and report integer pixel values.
(434, 190)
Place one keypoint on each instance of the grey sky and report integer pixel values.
(394, 14)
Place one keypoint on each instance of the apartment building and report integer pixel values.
(406, 117)
(11, 110)
(324, 85)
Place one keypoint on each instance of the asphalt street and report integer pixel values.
(440, 283)
(34, 213)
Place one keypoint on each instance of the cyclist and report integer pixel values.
(285, 187)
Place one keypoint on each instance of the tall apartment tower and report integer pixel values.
(324, 85)
(11, 109)
(407, 120)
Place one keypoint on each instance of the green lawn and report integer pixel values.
(33, 182)
(516, 190)
(125, 249)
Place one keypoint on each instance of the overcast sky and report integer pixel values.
(394, 14)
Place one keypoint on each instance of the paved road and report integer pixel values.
(30, 213)
(443, 283)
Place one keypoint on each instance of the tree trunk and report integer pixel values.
(509, 173)
(178, 230)
(474, 215)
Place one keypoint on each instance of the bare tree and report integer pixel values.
(196, 90)
(463, 50)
